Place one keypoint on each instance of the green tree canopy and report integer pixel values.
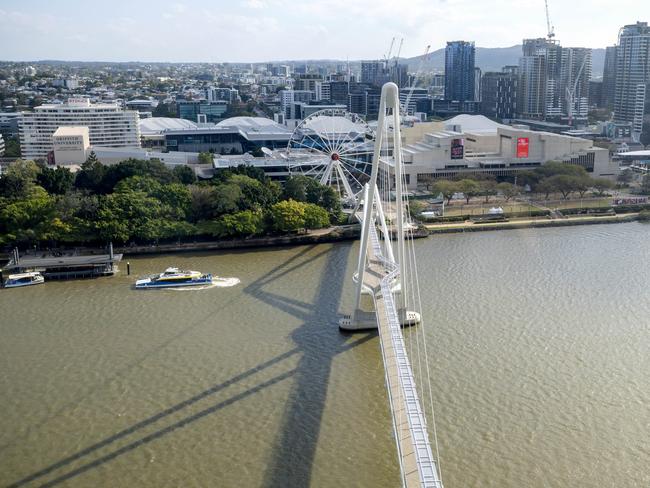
(57, 180)
(316, 217)
(184, 174)
(205, 158)
(601, 185)
(239, 224)
(564, 183)
(288, 216)
(508, 190)
(470, 188)
(446, 188)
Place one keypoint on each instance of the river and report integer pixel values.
(538, 340)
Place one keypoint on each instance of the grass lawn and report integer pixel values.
(578, 203)
(476, 208)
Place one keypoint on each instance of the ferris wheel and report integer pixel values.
(335, 147)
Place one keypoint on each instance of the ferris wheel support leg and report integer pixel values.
(346, 184)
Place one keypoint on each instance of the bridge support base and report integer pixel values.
(363, 320)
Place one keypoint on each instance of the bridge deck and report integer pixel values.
(417, 464)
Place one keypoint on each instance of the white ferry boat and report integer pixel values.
(174, 278)
(24, 279)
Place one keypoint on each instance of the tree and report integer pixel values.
(530, 178)
(91, 175)
(470, 188)
(508, 190)
(254, 193)
(316, 217)
(488, 187)
(545, 187)
(305, 189)
(27, 219)
(184, 174)
(202, 198)
(246, 223)
(227, 199)
(416, 207)
(138, 183)
(295, 188)
(58, 180)
(153, 168)
(601, 185)
(427, 181)
(565, 184)
(446, 188)
(130, 215)
(175, 198)
(625, 177)
(288, 216)
(12, 148)
(553, 168)
(164, 109)
(206, 158)
(19, 179)
(645, 184)
(224, 174)
(582, 184)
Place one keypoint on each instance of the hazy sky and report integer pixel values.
(261, 30)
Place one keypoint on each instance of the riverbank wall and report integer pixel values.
(346, 233)
(332, 234)
(529, 223)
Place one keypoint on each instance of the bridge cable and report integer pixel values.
(418, 298)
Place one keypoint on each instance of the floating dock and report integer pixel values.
(65, 267)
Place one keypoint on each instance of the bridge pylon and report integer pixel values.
(381, 282)
(378, 239)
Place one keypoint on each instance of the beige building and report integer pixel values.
(71, 145)
(108, 125)
(475, 144)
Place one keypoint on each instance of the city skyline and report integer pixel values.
(274, 30)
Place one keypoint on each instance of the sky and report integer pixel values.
(270, 30)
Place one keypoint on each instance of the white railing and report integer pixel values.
(417, 424)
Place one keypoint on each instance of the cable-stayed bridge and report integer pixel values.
(388, 298)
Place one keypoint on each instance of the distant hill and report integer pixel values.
(495, 58)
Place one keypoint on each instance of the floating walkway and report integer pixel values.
(65, 267)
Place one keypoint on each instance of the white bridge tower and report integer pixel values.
(382, 275)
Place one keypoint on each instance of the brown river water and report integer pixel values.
(539, 350)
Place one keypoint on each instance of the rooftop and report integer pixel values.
(474, 123)
(76, 130)
(37, 262)
(253, 124)
(156, 125)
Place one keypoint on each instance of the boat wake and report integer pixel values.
(216, 283)
(225, 282)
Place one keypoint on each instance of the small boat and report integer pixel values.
(174, 278)
(24, 279)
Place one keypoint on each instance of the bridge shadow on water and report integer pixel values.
(317, 342)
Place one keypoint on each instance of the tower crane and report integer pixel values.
(549, 27)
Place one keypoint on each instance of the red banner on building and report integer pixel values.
(522, 147)
(457, 149)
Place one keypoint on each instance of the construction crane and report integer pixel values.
(570, 94)
(549, 27)
(399, 50)
(390, 50)
(415, 79)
